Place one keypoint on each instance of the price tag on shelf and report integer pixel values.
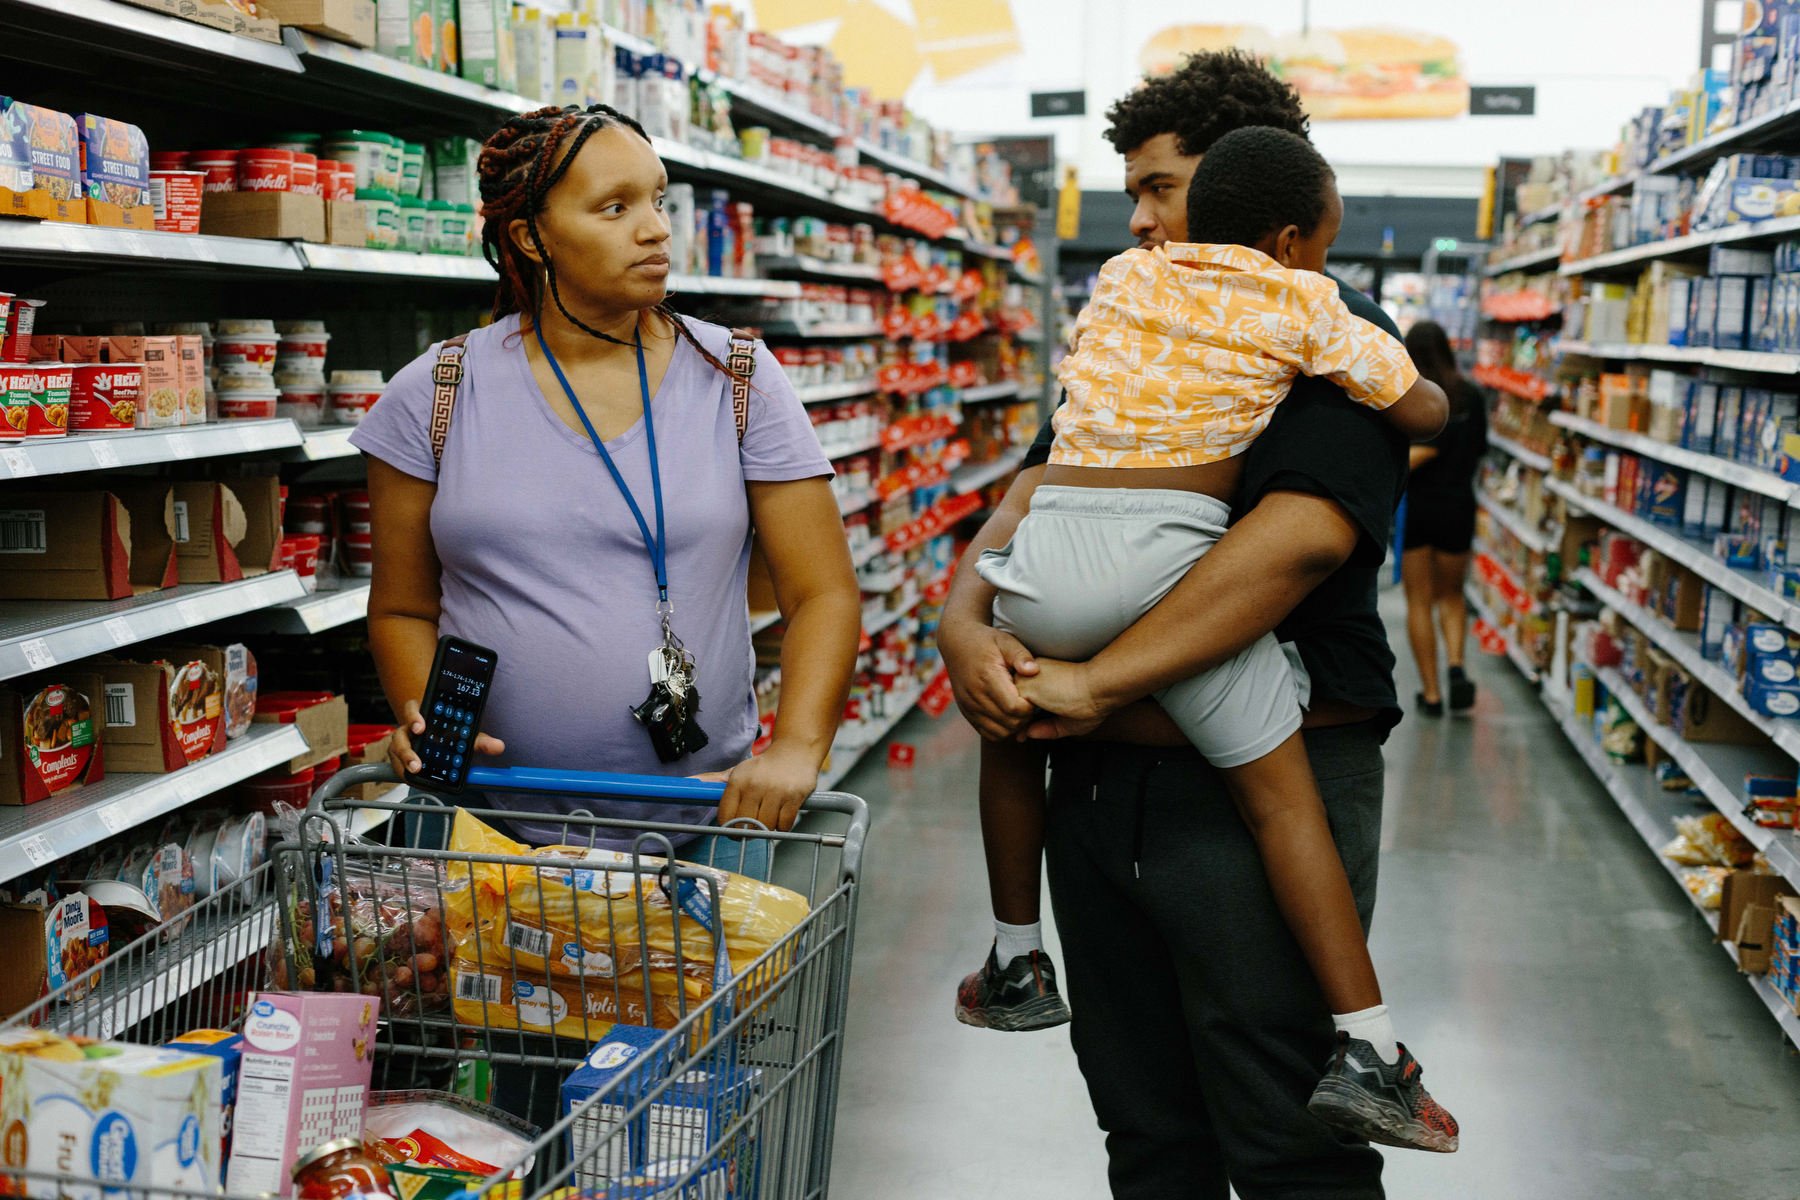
(120, 631)
(38, 654)
(112, 818)
(38, 850)
(181, 446)
(244, 440)
(105, 455)
(192, 613)
(18, 463)
(191, 787)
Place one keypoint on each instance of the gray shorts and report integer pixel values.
(1086, 563)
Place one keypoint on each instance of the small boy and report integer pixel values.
(1180, 360)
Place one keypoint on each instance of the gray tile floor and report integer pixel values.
(1591, 1040)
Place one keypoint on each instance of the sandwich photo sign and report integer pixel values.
(1363, 74)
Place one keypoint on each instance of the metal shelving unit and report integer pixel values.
(1762, 361)
(38, 634)
(1006, 389)
(36, 835)
(1531, 261)
(1513, 523)
(315, 612)
(975, 476)
(144, 447)
(1737, 474)
(1531, 458)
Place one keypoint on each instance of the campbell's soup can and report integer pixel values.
(219, 166)
(305, 177)
(20, 390)
(265, 169)
(104, 396)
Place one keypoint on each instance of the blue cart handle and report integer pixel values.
(595, 783)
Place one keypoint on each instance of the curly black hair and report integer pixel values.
(1254, 182)
(1202, 100)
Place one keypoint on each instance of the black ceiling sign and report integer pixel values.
(1502, 101)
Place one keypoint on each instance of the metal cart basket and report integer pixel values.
(501, 973)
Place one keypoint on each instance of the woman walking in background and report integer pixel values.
(1440, 524)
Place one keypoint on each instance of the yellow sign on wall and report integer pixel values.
(879, 50)
(778, 16)
(960, 36)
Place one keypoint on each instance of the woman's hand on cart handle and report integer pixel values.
(412, 724)
(769, 788)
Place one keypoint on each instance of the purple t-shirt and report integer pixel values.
(543, 562)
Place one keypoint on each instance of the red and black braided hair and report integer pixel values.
(519, 165)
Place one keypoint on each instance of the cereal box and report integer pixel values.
(47, 141)
(138, 1118)
(115, 173)
(304, 1079)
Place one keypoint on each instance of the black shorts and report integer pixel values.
(1444, 527)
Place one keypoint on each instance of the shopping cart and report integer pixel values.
(735, 1097)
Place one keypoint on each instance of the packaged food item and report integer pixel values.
(56, 940)
(42, 150)
(457, 230)
(142, 1118)
(53, 741)
(491, 994)
(103, 397)
(250, 404)
(190, 354)
(415, 225)
(115, 173)
(353, 394)
(160, 403)
(175, 200)
(381, 209)
(412, 168)
(246, 350)
(219, 168)
(21, 321)
(264, 169)
(439, 1129)
(340, 1170)
(48, 416)
(367, 153)
(302, 350)
(240, 690)
(162, 869)
(564, 921)
(164, 709)
(228, 1048)
(304, 403)
(21, 391)
(305, 1081)
(305, 179)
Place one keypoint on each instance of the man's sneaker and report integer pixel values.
(1384, 1102)
(1020, 998)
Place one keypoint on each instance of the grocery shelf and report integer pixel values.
(1513, 523)
(991, 250)
(33, 836)
(1780, 122)
(1737, 474)
(1003, 390)
(1608, 187)
(823, 329)
(889, 160)
(97, 245)
(1764, 361)
(314, 612)
(333, 441)
(176, 42)
(856, 503)
(1531, 458)
(824, 393)
(1514, 651)
(975, 476)
(143, 447)
(221, 940)
(806, 264)
(1711, 765)
(846, 754)
(1779, 227)
(873, 550)
(1696, 556)
(862, 447)
(1552, 213)
(721, 285)
(386, 82)
(1627, 785)
(1684, 648)
(1532, 260)
(395, 264)
(38, 634)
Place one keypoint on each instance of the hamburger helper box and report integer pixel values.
(142, 1118)
(303, 1080)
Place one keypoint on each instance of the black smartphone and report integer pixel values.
(462, 674)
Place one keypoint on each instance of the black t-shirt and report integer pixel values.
(1448, 481)
(1321, 443)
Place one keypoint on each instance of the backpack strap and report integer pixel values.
(742, 362)
(446, 379)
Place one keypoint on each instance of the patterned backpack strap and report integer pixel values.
(446, 378)
(742, 362)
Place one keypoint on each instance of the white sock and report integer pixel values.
(1373, 1026)
(1016, 941)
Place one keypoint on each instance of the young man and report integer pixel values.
(1197, 1024)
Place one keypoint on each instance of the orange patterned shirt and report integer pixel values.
(1184, 352)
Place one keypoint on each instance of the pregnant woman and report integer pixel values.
(594, 498)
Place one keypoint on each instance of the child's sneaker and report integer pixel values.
(1384, 1102)
(1022, 997)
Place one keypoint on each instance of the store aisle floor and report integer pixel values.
(1572, 1009)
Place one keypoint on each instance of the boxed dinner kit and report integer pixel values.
(115, 173)
(165, 707)
(87, 545)
(228, 531)
(304, 1080)
(142, 1118)
(40, 163)
(53, 939)
(51, 738)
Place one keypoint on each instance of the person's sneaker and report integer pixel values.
(1462, 691)
(1020, 998)
(1429, 708)
(1384, 1102)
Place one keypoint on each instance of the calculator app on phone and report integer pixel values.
(454, 700)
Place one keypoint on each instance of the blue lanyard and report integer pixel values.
(659, 544)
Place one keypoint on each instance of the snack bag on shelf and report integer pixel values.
(559, 920)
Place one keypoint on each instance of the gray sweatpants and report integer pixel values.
(1086, 563)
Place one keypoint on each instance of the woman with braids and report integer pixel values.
(593, 500)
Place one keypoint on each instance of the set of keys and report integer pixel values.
(671, 713)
